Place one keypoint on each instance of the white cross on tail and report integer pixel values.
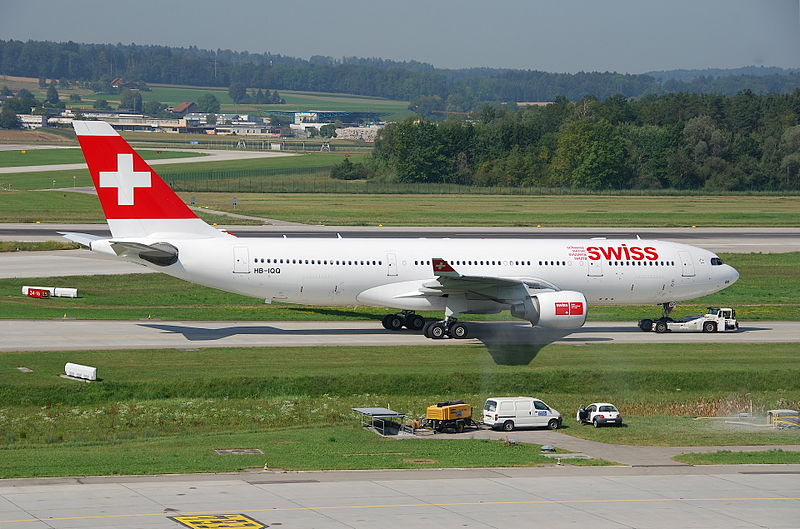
(125, 179)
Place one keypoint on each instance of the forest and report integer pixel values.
(458, 90)
(745, 142)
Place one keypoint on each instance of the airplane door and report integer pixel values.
(595, 268)
(687, 266)
(241, 260)
(391, 264)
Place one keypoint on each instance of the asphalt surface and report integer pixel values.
(509, 343)
(555, 497)
(211, 156)
(736, 240)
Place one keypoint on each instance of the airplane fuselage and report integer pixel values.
(347, 272)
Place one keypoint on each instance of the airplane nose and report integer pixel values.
(731, 275)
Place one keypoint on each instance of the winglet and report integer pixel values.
(442, 268)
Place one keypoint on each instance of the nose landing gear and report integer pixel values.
(646, 324)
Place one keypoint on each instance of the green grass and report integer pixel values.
(166, 410)
(504, 210)
(769, 289)
(330, 447)
(295, 101)
(217, 173)
(728, 457)
(59, 156)
(400, 210)
(45, 246)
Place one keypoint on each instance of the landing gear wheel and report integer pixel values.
(458, 331)
(415, 322)
(508, 426)
(646, 325)
(437, 331)
(553, 424)
(661, 327)
(709, 326)
(392, 322)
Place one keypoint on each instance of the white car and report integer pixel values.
(599, 414)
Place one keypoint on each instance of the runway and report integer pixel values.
(734, 240)
(555, 497)
(211, 155)
(69, 335)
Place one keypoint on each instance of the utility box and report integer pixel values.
(455, 415)
(449, 411)
(79, 371)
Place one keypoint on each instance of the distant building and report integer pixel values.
(32, 121)
(367, 134)
(184, 108)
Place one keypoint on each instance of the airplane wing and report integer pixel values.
(503, 289)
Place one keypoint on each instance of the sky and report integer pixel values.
(631, 36)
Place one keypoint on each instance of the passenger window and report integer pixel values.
(539, 405)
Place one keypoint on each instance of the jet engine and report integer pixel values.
(564, 309)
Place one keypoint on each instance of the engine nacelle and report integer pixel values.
(565, 309)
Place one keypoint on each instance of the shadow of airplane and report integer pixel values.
(205, 334)
(508, 343)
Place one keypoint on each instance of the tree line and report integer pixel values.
(745, 142)
(460, 90)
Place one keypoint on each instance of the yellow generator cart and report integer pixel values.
(451, 415)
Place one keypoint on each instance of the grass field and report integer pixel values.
(769, 289)
(499, 210)
(728, 457)
(414, 210)
(295, 101)
(166, 410)
(287, 167)
(58, 156)
(16, 246)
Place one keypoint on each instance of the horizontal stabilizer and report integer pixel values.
(81, 238)
(160, 253)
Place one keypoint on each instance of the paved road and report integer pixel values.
(509, 343)
(637, 456)
(60, 263)
(553, 497)
(736, 240)
(211, 156)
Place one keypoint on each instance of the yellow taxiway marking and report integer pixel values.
(398, 505)
(218, 521)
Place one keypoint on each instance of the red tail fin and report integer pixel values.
(135, 200)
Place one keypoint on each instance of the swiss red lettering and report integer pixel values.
(622, 252)
(562, 308)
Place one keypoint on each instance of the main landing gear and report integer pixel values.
(407, 319)
(442, 329)
(661, 323)
(451, 327)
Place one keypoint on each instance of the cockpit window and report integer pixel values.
(716, 261)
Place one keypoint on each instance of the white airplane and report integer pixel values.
(550, 283)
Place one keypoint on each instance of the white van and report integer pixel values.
(519, 412)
